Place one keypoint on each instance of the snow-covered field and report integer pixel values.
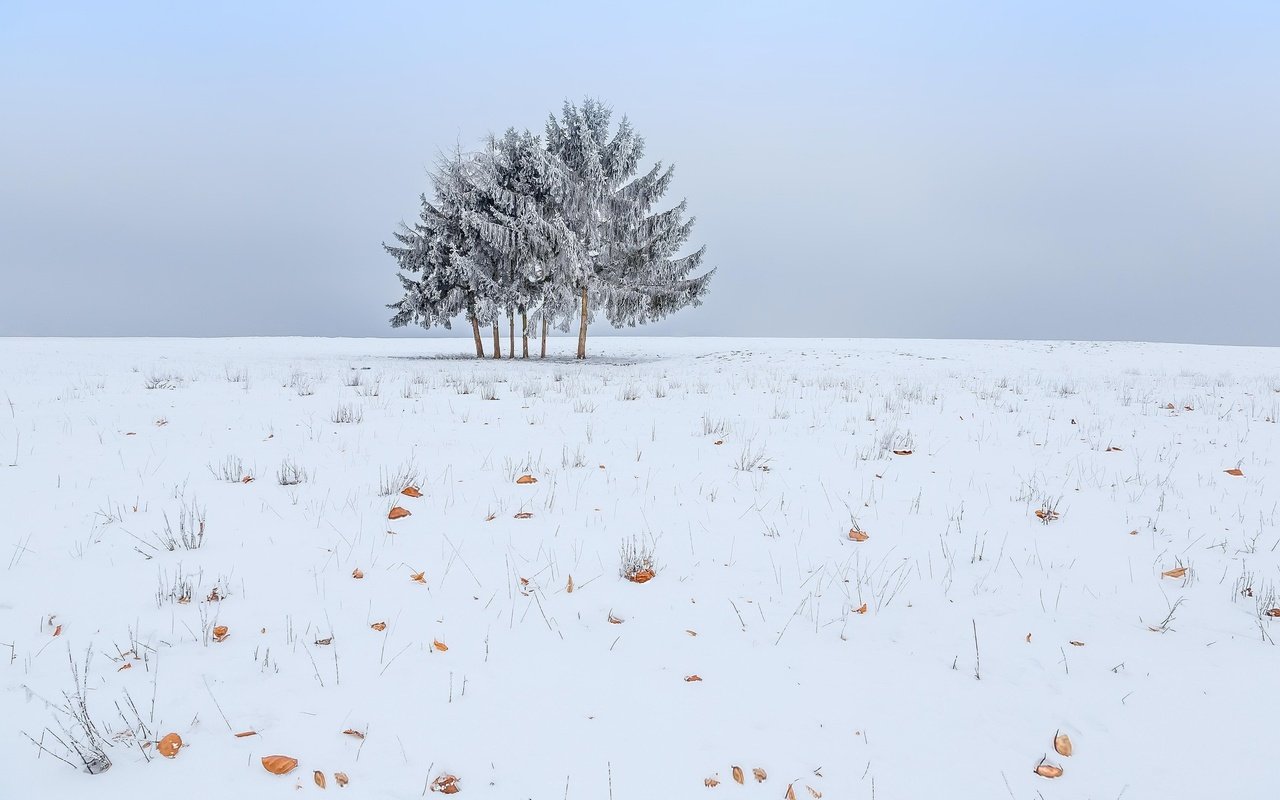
(938, 657)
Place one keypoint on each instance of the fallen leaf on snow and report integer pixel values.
(902, 452)
(379, 626)
(1074, 643)
(441, 646)
(1235, 472)
(858, 535)
(737, 774)
(710, 783)
(169, 745)
(692, 678)
(760, 774)
(1047, 770)
(318, 777)
(221, 632)
(568, 587)
(279, 765)
(1273, 612)
(411, 491)
(817, 795)
(862, 609)
(397, 512)
(340, 778)
(419, 577)
(524, 515)
(446, 784)
(357, 573)
(353, 732)
(329, 640)
(1176, 572)
(643, 576)
(1062, 744)
(791, 792)
(526, 479)
(243, 734)
(615, 620)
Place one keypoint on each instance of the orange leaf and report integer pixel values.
(169, 745)
(379, 626)
(692, 678)
(318, 777)
(419, 577)
(1176, 572)
(126, 665)
(57, 631)
(397, 512)
(1046, 770)
(446, 784)
(737, 774)
(643, 576)
(791, 793)
(221, 632)
(1234, 471)
(858, 535)
(411, 491)
(1062, 744)
(1273, 612)
(279, 765)
(441, 646)
(526, 479)
(243, 734)
(862, 609)
(357, 573)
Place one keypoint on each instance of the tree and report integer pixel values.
(441, 280)
(625, 251)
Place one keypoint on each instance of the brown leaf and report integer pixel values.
(1047, 515)
(126, 665)
(340, 778)
(569, 586)
(1028, 637)
(318, 777)
(791, 793)
(615, 620)
(419, 577)
(524, 480)
(862, 609)
(710, 783)
(247, 479)
(169, 745)
(379, 626)
(691, 633)
(692, 678)
(411, 491)
(243, 734)
(817, 795)
(718, 442)
(446, 784)
(1273, 612)
(1047, 770)
(1176, 572)
(57, 631)
(354, 732)
(760, 774)
(1074, 643)
(524, 515)
(279, 765)
(858, 535)
(325, 641)
(643, 576)
(397, 512)
(357, 573)
(1062, 744)
(441, 646)
(902, 452)
(737, 774)
(1235, 472)
(221, 632)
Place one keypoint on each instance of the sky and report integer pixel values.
(1042, 170)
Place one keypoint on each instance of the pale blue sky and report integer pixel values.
(1019, 169)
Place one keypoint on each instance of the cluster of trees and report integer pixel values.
(553, 230)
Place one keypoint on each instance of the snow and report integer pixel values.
(539, 694)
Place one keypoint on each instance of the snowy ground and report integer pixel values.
(936, 658)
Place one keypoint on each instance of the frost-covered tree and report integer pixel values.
(626, 253)
(436, 272)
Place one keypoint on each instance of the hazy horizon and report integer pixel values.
(992, 171)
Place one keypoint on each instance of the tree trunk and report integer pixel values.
(475, 329)
(511, 320)
(544, 337)
(582, 328)
(524, 334)
(497, 341)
